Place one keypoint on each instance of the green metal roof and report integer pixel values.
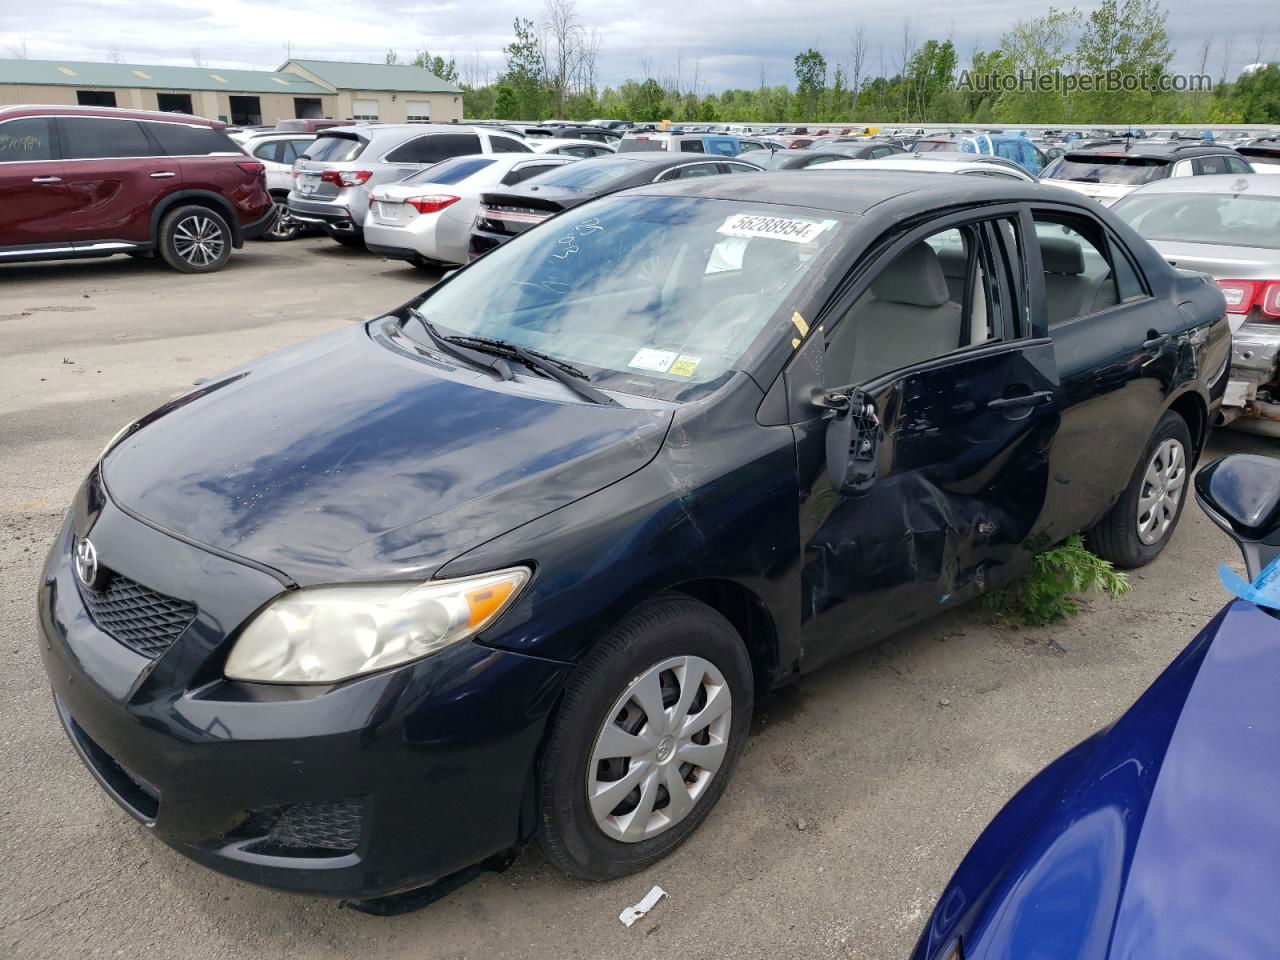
(75, 73)
(375, 76)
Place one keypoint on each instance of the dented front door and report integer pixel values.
(960, 487)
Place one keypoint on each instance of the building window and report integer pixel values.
(174, 103)
(245, 111)
(96, 98)
(364, 109)
(419, 111)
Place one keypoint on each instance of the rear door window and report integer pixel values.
(181, 140)
(26, 139)
(507, 145)
(434, 148)
(691, 146)
(96, 138)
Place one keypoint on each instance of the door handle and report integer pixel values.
(1154, 342)
(162, 174)
(1026, 400)
(46, 179)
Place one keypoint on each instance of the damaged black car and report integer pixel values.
(513, 562)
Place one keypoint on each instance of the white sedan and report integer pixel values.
(582, 149)
(426, 218)
(965, 163)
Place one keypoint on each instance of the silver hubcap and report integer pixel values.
(284, 225)
(198, 240)
(659, 748)
(1161, 491)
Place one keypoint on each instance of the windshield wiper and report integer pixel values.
(445, 344)
(503, 350)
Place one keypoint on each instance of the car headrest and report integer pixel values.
(954, 262)
(914, 278)
(1061, 255)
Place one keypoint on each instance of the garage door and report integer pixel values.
(364, 109)
(419, 111)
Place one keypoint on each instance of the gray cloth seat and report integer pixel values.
(906, 317)
(954, 264)
(768, 266)
(1069, 291)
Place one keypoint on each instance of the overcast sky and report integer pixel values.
(727, 41)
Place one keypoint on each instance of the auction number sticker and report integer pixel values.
(658, 361)
(773, 228)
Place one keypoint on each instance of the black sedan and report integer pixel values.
(509, 212)
(514, 560)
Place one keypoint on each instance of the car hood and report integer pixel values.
(360, 456)
(1159, 837)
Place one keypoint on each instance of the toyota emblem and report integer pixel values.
(87, 563)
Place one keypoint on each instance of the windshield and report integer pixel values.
(773, 161)
(1102, 169)
(1239, 221)
(449, 171)
(589, 174)
(659, 296)
(335, 148)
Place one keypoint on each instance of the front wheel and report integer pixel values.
(1136, 529)
(646, 738)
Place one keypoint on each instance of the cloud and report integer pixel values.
(727, 43)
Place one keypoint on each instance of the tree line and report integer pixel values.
(550, 71)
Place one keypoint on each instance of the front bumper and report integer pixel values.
(361, 789)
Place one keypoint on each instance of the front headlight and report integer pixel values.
(327, 634)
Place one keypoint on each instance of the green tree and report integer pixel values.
(811, 81)
(1036, 49)
(1124, 38)
(525, 73)
(1257, 95)
(446, 70)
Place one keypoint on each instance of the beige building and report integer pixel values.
(300, 88)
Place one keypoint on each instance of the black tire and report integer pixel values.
(285, 227)
(1115, 537)
(350, 238)
(194, 239)
(671, 625)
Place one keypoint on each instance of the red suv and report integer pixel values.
(93, 181)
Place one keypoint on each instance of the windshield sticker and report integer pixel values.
(658, 361)
(800, 323)
(684, 366)
(773, 228)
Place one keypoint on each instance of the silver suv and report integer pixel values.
(333, 178)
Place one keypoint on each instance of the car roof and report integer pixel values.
(856, 190)
(567, 142)
(121, 113)
(1220, 183)
(381, 130)
(1160, 151)
(939, 161)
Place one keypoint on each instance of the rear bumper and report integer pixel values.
(482, 241)
(361, 789)
(328, 215)
(394, 253)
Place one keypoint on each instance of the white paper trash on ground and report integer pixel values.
(632, 914)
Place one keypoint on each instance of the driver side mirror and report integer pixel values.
(1241, 494)
(853, 441)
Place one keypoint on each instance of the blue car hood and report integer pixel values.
(1159, 837)
(355, 458)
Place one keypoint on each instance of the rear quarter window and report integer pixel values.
(434, 148)
(182, 140)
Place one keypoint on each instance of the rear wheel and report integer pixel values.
(285, 227)
(645, 740)
(194, 239)
(1137, 528)
(350, 238)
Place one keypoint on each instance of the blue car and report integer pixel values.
(1158, 837)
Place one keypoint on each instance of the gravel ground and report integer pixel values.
(861, 787)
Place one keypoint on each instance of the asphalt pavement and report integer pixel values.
(860, 789)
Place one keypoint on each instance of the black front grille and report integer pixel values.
(324, 828)
(143, 620)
